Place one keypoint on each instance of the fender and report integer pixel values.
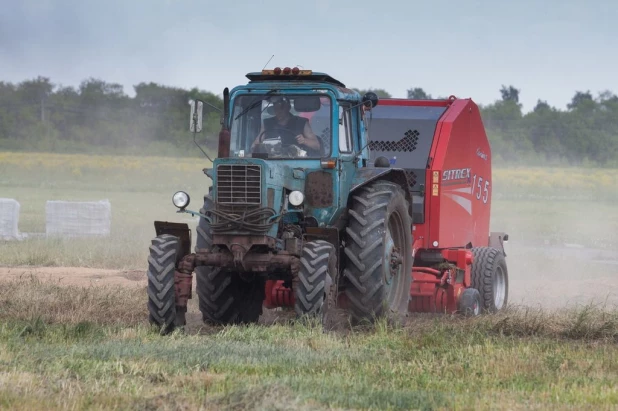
(497, 240)
(180, 230)
(365, 176)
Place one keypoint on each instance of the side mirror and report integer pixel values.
(197, 110)
(370, 99)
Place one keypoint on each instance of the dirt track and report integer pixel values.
(80, 276)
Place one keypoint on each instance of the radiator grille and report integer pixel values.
(239, 184)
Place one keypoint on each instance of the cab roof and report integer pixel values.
(281, 78)
(317, 77)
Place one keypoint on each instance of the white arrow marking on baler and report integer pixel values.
(466, 190)
(464, 202)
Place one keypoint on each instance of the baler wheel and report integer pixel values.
(378, 246)
(469, 304)
(315, 278)
(161, 288)
(490, 277)
(224, 297)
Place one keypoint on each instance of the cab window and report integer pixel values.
(345, 129)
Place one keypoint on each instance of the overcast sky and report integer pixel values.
(546, 48)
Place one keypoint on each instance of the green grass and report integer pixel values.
(71, 347)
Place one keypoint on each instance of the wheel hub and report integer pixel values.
(393, 258)
(499, 288)
(396, 261)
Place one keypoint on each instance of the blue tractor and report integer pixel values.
(298, 215)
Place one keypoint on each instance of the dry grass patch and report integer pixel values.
(32, 300)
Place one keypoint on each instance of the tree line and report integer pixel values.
(98, 116)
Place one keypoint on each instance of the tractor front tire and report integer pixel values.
(224, 298)
(161, 286)
(490, 276)
(378, 244)
(315, 278)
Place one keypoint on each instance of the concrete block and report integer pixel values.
(78, 218)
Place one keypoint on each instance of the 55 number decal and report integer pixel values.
(481, 186)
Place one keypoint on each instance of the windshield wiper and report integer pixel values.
(255, 104)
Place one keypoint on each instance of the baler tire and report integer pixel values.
(366, 248)
(223, 297)
(315, 277)
(161, 284)
(489, 270)
(470, 303)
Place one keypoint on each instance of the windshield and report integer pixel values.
(281, 126)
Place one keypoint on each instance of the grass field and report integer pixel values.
(74, 347)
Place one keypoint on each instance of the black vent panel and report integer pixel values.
(407, 144)
(410, 177)
(239, 184)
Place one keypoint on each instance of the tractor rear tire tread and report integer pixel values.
(365, 286)
(161, 284)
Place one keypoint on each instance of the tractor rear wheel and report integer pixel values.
(490, 277)
(315, 278)
(378, 244)
(161, 286)
(223, 296)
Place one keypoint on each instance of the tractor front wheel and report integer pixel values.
(161, 287)
(315, 278)
(378, 246)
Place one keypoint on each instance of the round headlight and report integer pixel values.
(296, 198)
(181, 199)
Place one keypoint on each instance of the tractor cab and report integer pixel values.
(293, 114)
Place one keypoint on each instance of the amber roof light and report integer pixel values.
(287, 71)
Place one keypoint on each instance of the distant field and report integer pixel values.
(140, 174)
(533, 204)
(79, 346)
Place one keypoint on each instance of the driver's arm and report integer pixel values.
(309, 139)
(258, 138)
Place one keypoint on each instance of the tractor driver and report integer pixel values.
(294, 129)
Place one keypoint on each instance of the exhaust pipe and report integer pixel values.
(224, 134)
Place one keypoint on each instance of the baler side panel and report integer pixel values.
(482, 180)
(460, 213)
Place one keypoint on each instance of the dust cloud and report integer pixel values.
(562, 250)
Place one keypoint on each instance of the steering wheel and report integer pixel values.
(292, 149)
(276, 133)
